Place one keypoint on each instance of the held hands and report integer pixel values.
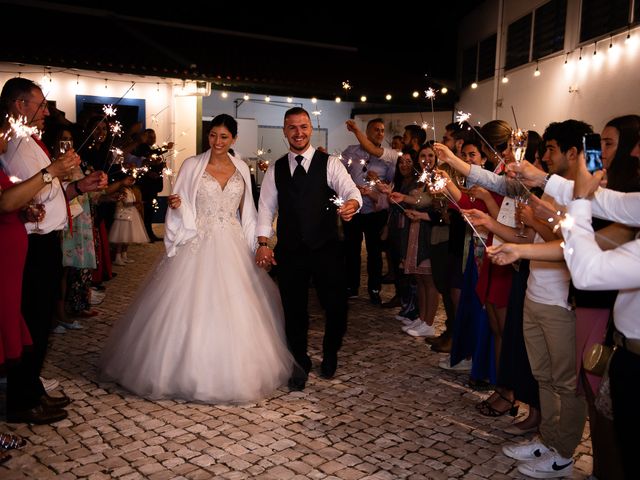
(348, 210)
(504, 254)
(586, 184)
(174, 201)
(265, 258)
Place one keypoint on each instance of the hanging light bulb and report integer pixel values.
(444, 90)
(415, 94)
(338, 99)
(474, 85)
(224, 94)
(580, 58)
(314, 100)
(388, 96)
(537, 72)
(289, 99)
(246, 97)
(505, 79)
(363, 98)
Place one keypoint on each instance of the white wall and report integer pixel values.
(394, 123)
(332, 117)
(607, 84)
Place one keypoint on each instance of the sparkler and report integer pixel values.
(19, 128)
(337, 201)
(430, 93)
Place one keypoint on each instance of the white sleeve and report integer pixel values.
(339, 180)
(268, 203)
(608, 204)
(590, 267)
(390, 155)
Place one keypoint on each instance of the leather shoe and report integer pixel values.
(54, 403)
(328, 366)
(38, 415)
(296, 384)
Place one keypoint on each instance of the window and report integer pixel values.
(518, 42)
(478, 61)
(600, 17)
(548, 30)
(469, 64)
(487, 58)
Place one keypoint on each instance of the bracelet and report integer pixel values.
(75, 185)
(263, 244)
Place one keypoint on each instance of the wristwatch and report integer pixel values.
(46, 176)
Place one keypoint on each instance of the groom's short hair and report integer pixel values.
(296, 111)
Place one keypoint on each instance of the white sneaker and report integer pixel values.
(528, 451)
(96, 297)
(549, 465)
(422, 330)
(49, 383)
(414, 324)
(59, 329)
(463, 365)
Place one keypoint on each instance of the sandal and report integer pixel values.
(9, 441)
(488, 410)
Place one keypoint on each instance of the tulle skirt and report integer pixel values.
(207, 326)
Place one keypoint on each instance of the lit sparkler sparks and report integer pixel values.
(116, 128)
(430, 93)
(337, 201)
(19, 128)
(109, 110)
(346, 86)
(462, 117)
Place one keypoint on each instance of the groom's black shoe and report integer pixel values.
(329, 365)
(298, 379)
(297, 384)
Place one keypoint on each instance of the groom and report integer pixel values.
(299, 187)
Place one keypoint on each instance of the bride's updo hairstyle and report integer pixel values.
(226, 121)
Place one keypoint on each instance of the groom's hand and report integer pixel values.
(348, 210)
(265, 258)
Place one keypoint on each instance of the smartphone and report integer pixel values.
(592, 151)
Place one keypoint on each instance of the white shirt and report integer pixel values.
(23, 159)
(608, 204)
(338, 179)
(594, 269)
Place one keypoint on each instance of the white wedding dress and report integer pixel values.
(208, 325)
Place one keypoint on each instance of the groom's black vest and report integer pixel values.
(306, 216)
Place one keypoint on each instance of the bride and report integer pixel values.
(208, 324)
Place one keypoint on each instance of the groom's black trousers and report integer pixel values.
(326, 268)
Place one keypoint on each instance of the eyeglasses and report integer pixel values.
(44, 104)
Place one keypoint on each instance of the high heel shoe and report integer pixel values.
(488, 410)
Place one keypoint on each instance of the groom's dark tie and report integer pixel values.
(299, 173)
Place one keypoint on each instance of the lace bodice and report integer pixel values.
(217, 208)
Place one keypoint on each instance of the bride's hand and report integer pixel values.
(174, 201)
(265, 258)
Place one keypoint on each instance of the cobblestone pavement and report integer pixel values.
(389, 413)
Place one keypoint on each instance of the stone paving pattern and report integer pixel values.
(390, 413)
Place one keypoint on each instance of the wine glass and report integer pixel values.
(36, 206)
(519, 144)
(64, 146)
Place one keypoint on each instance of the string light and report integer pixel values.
(314, 100)
(224, 94)
(363, 98)
(595, 48)
(289, 99)
(474, 85)
(611, 40)
(338, 100)
(246, 97)
(267, 99)
(537, 72)
(444, 90)
(415, 94)
(388, 96)
(505, 79)
(580, 59)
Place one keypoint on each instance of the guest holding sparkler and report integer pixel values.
(299, 187)
(27, 400)
(208, 326)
